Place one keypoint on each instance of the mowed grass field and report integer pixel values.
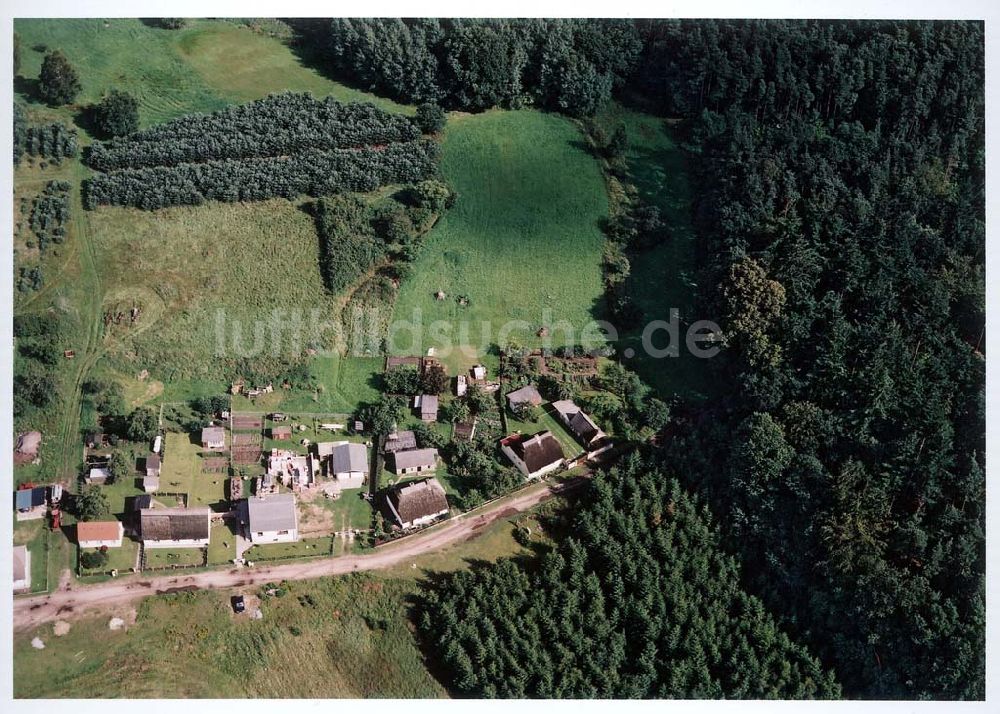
(522, 241)
(202, 67)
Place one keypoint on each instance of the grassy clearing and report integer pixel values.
(222, 545)
(244, 267)
(522, 239)
(201, 68)
(663, 277)
(344, 383)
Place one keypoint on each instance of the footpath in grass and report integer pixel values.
(521, 242)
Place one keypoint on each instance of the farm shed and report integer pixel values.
(427, 406)
(524, 395)
(213, 437)
(349, 464)
(281, 432)
(98, 474)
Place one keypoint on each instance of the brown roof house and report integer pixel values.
(281, 432)
(417, 503)
(99, 534)
(213, 437)
(22, 568)
(533, 456)
(524, 395)
(427, 406)
(414, 461)
(174, 527)
(582, 427)
(151, 481)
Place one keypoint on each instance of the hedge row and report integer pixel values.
(277, 125)
(50, 141)
(311, 172)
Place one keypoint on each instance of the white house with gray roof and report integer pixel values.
(414, 461)
(349, 464)
(271, 519)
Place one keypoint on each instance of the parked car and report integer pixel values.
(239, 603)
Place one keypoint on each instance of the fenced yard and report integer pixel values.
(301, 549)
(182, 472)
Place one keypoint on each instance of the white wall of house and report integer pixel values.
(523, 468)
(424, 520)
(117, 543)
(416, 469)
(186, 543)
(284, 536)
(350, 479)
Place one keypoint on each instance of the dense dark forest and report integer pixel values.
(839, 169)
(639, 602)
(284, 145)
(563, 64)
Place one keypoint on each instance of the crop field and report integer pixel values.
(522, 239)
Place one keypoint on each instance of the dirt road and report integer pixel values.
(29, 612)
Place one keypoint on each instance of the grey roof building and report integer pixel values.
(347, 458)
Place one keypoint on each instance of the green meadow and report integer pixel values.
(521, 243)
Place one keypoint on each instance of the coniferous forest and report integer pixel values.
(839, 171)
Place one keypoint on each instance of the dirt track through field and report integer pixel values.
(30, 612)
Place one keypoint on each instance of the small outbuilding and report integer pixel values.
(281, 433)
(213, 437)
(427, 406)
(524, 395)
(22, 568)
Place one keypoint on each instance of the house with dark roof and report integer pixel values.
(399, 441)
(175, 527)
(31, 503)
(213, 437)
(270, 519)
(582, 427)
(22, 568)
(427, 406)
(533, 456)
(417, 503)
(414, 461)
(524, 395)
(99, 534)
